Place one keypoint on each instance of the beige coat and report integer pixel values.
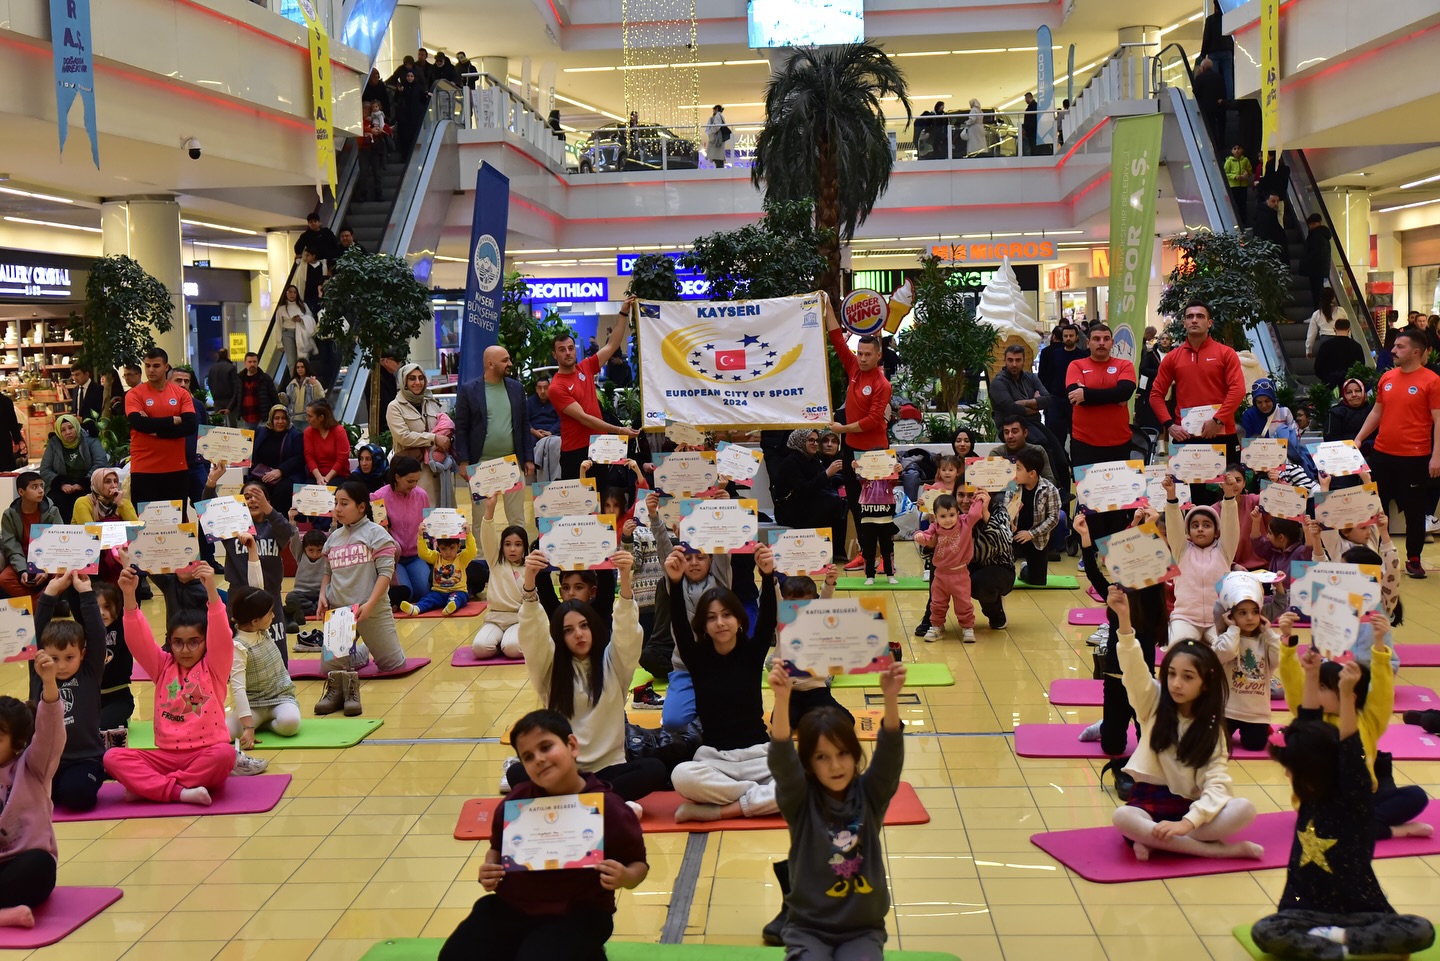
(412, 435)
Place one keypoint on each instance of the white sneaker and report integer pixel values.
(968, 635)
(245, 765)
(931, 636)
(894, 580)
(1432, 524)
(1100, 638)
(1091, 733)
(634, 806)
(869, 582)
(505, 774)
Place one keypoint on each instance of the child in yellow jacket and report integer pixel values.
(448, 561)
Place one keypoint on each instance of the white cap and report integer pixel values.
(1238, 586)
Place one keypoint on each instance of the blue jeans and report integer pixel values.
(435, 600)
(679, 709)
(412, 573)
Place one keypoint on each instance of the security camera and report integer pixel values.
(192, 147)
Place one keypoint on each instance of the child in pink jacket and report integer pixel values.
(953, 538)
(30, 749)
(192, 755)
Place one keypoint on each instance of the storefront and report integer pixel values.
(217, 306)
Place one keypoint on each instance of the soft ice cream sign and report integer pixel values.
(864, 312)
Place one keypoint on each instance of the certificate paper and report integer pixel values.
(17, 630)
(163, 512)
(686, 434)
(1155, 475)
(928, 493)
(838, 636)
(1347, 508)
(738, 463)
(991, 474)
(802, 551)
(444, 522)
(1310, 577)
(1192, 419)
(379, 513)
(114, 533)
(230, 444)
(608, 448)
(164, 548)
(1338, 458)
(1264, 453)
(231, 483)
(1282, 500)
(669, 513)
(222, 517)
(684, 473)
(718, 526)
(553, 833)
(1335, 622)
(579, 542)
(1137, 557)
(1112, 486)
(313, 500)
(564, 497)
(339, 637)
(1198, 463)
(57, 548)
(877, 465)
(499, 476)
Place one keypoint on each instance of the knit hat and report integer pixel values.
(1237, 587)
(1205, 509)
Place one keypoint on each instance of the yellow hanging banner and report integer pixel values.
(321, 96)
(1269, 75)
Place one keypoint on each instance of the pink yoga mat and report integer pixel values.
(1405, 742)
(312, 669)
(1094, 595)
(1084, 692)
(1088, 616)
(465, 657)
(60, 916)
(240, 795)
(471, 609)
(1101, 854)
(1418, 655)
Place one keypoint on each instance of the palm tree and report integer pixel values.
(824, 139)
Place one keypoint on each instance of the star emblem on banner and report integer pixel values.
(732, 358)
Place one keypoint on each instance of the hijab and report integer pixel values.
(798, 439)
(100, 510)
(1364, 397)
(79, 430)
(270, 420)
(373, 479)
(414, 400)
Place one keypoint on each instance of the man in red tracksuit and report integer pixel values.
(867, 404)
(1205, 373)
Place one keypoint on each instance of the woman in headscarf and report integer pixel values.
(278, 458)
(375, 91)
(1348, 416)
(413, 418)
(372, 468)
(800, 484)
(974, 132)
(70, 457)
(410, 110)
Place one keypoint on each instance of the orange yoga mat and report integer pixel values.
(476, 817)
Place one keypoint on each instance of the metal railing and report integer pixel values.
(492, 105)
(1125, 75)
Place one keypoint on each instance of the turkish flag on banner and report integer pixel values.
(730, 359)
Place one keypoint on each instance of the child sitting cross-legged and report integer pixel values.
(500, 634)
(260, 685)
(447, 581)
(1204, 544)
(30, 749)
(1249, 650)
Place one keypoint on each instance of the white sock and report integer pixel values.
(1091, 732)
(1329, 933)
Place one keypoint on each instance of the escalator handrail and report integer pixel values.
(1157, 67)
(1342, 264)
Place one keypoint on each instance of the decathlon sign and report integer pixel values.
(573, 290)
(625, 263)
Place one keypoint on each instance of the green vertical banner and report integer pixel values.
(1135, 165)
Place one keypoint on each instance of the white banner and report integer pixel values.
(737, 364)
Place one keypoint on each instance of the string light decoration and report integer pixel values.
(661, 50)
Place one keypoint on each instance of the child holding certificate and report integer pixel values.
(260, 685)
(834, 805)
(953, 540)
(30, 748)
(448, 562)
(78, 648)
(1249, 650)
(500, 634)
(1204, 544)
(563, 914)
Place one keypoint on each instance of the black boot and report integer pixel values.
(1124, 783)
(770, 934)
(1429, 720)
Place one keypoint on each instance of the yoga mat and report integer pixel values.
(1242, 934)
(475, 816)
(1094, 595)
(329, 732)
(240, 795)
(60, 916)
(1418, 655)
(464, 656)
(882, 583)
(642, 677)
(1055, 582)
(1060, 740)
(1084, 692)
(472, 609)
(1088, 616)
(1101, 854)
(312, 669)
(428, 949)
(916, 675)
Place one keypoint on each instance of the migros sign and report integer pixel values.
(995, 251)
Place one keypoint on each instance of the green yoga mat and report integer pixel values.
(1242, 934)
(428, 949)
(916, 675)
(883, 584)
(1055, 582)
(329, 733)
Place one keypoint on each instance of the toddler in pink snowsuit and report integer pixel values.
(952, 538)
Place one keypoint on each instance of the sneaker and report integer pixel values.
(1409, 717)
(309, 641)
(894, 579)
(407, 608)
(897, 653)
(931, 636)
(1100, 638)
(635, 807)
(505, 774)
(923, 628)
(246, 766)
(450, 606)
(1415, 569)
(646, 699)
(291, 627)
(967, 635)
(1432, 524)
(998, 622)
(927, 575)
(1080, 565)
(869, 582)
(1091, 733)
(856, 563)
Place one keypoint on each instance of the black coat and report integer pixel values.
(10, 434)
(1209, 88)
(1268, 227)
(1316, 260)
(1334, 357)
(1344, 422)
(471, 422)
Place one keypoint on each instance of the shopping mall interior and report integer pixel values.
(195, 151)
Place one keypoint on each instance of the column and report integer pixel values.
(147, 230)
(401, 40)
(1135, 78)
(280, 257)
(1350, 209)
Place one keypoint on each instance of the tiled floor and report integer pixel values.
(360, 849)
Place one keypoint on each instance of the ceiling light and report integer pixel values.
(207, 243)
(586, 106)
(51, 223)
(982, 50)
(1382, 210)
(588, 69)
(35, 196)
(233, 230)
(745, 63)
(923, 53)
(1413, 183)
(1022, 49)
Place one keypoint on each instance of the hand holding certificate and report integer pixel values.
(991, 474)
(57, 548)
(1137, 557)
(233, 445)
(561, 498)
(1335, 622)
(313, 500)
(553, 833)
(738, 463)
(444, 522)
(802, 551)
(222, 517)
(718, 526)
(1112, 486)
(339, 636)
(877, 465)
(1155, 475)
(18, 639)
(162, 512)
(1264, 453)
(493, 477)
(1198, 463)
(1193, 419)
(1282, 500)
(608, 448)
(1310, 577)
(578, 542)
(1351, 507)
(685, 435)
(685, 473)
(114, 533)
(1338, 458)
(164, 548)
(830, 637)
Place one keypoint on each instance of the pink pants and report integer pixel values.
(946, 586)
(157, 774)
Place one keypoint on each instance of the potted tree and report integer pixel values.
(1242, 279)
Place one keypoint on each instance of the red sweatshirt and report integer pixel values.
(867, 399)
(1210, 375)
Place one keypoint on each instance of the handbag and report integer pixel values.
(724, 133)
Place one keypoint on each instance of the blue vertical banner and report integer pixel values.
(74, 68)
(1044, 87)
(485, 277)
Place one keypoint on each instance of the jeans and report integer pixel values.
(412, 573)
(679, 709)
(434, 600)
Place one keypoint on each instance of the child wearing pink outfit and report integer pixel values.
(953, 538)
(192, 755)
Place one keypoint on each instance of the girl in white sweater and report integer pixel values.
(1181, 801)
(501, 631)
(581, 671)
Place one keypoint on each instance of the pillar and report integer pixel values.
(280, 259)
(401, 40)
(1350, 209)
(147, 230)
(1146, 44)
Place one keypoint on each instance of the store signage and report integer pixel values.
(625, 263)
(190, 289)
(26, 280)
(1099, 263)
(1059, 278)
(994, 252)
(573, 290)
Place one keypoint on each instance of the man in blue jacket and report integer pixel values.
(491, 422)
